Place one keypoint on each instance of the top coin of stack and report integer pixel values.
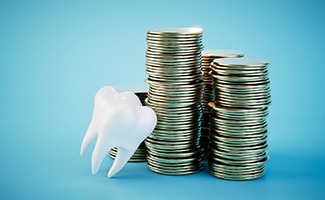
(209, 93)
(238, 133)
(173, 65)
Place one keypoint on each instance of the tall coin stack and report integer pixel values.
(173, 65)
(140, 154)
(209, 93)
(238, 135)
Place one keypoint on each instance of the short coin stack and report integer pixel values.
(238, 135)
(173, 65)
(140, 154)
(209, 94)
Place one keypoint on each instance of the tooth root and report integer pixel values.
(100, 151)
(90, 135)
(122, 157)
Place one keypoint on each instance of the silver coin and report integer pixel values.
(238, 125)
(242, 63)
(209, 94)
(175, 171)
(211, 53)
(172, 45)
(217, 70)
(184, 31)
(173, 60)
(176, 51)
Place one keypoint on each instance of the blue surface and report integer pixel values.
(54, 55)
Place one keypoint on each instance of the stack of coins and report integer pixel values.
(173, 65)
(209, 93)
(140, 154)
(238, 135)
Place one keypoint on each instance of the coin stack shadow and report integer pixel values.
(140, 154)
(209, 93)
(173, 65)
(238, 135)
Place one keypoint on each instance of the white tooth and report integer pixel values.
(119, 120)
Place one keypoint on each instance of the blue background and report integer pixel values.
(54, 56)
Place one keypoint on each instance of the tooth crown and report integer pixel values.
(119, 120)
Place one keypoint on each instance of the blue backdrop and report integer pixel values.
(54, 55)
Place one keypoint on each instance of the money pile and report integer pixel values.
(209, 93)
(173, 65)
(238, 135)
(140, 154)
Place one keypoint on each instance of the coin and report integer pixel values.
(209, 90)
(238, 125)
(173, 65)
